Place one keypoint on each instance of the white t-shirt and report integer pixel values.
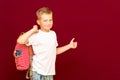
(44, 46)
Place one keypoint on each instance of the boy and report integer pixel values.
(44, 43)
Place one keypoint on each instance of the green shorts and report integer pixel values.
(37, 76)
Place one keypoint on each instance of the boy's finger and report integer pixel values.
(72, 39)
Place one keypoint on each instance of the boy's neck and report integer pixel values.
(45, 30)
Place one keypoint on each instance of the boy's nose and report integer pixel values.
(49, 22)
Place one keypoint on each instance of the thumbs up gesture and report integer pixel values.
(73, 44)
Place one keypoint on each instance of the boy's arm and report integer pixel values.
(71, 45)
(23, 39)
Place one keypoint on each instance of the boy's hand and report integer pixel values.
(35, 29)
(73, 44)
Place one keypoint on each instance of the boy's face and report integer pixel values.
(45, 22)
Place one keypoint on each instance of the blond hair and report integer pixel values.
(43, 10)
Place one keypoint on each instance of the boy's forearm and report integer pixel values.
(23, 39)
(62, 49)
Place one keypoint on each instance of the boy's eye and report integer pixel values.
(50, 20)
(45, 20)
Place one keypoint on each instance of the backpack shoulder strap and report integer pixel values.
(29, 72)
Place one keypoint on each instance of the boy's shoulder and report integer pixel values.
(52, 31)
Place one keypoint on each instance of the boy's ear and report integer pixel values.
(38, 22)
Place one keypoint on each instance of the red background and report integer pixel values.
(94, 23)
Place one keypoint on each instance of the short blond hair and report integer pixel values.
(43, 10)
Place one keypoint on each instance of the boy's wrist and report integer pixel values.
(69, 46)
(35, 29)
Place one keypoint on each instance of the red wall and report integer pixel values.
(94, 23)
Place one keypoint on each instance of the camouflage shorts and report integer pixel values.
(37, 76)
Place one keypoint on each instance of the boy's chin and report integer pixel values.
(47, 30)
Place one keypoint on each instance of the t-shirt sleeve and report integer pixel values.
(56, 42)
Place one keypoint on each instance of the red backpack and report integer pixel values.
(22, 57)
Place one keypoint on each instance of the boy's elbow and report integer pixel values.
(21, 41)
